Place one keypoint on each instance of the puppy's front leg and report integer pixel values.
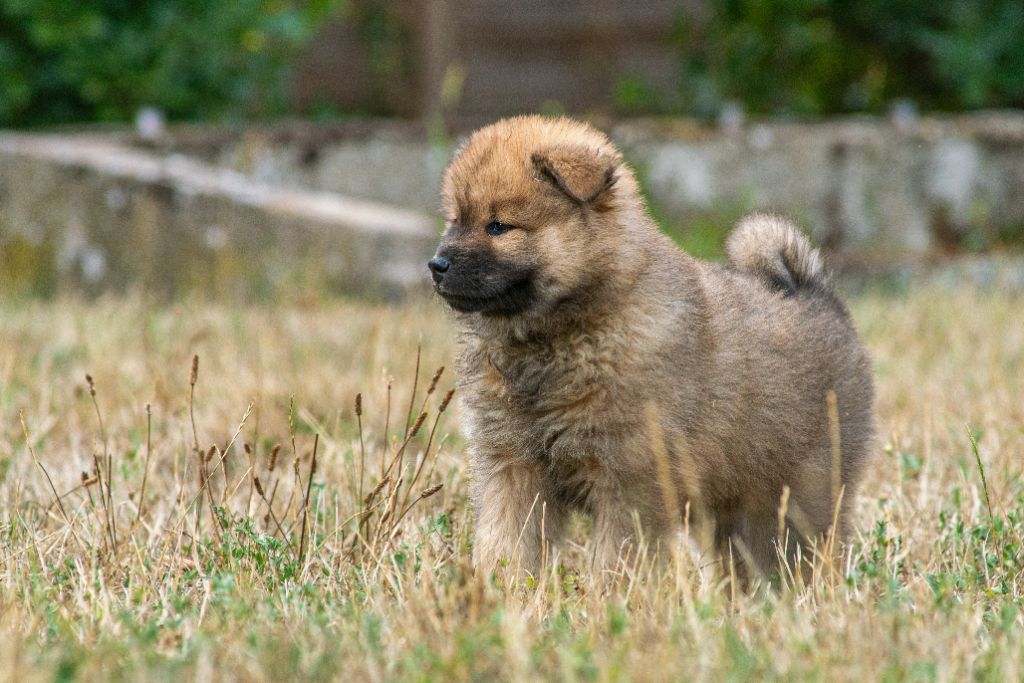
(513, 516)
(614, 535)
(617, 508)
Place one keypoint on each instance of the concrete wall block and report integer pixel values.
(120, 218)
(859, 185)
(358, 211)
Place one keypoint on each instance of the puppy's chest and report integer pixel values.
(547, 402)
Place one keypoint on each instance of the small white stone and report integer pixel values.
(93, 263)
(731, 118)
(903, 114)
(116, 198)
(150, 123)
(761, 137)
(953, 176)
(216, 237)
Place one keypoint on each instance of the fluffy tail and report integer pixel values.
(773, 249)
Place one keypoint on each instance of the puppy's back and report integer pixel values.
(782, 340)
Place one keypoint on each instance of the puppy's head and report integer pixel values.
(529, 205)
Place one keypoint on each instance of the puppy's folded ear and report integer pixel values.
(582, 173)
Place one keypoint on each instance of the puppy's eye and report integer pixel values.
(497, 228)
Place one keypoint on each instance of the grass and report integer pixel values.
(198, 577)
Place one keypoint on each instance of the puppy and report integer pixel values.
(604, 370)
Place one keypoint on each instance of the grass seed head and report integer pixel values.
(376, 489)
(434, 380)
(431, 491)
(445, 401)
(417, 424)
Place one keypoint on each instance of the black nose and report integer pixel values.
(438, 267)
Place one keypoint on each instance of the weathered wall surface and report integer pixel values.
(859, 185)
(354, 207)
(105, 215)
(862, 186)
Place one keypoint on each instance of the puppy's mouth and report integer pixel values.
(509, 300)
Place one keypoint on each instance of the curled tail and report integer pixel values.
(773, 249)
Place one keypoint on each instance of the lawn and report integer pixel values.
(240, 519)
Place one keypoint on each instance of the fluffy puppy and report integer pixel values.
(604, 370)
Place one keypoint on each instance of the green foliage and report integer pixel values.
(62, 61)
(388, 39)
(813, 57)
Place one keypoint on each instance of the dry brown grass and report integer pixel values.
(210, 581)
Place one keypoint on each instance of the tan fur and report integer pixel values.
(592, 347)
(774, 249)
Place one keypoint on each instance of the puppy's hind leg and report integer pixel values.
(745, 538)
(514, 518)
(761, 545)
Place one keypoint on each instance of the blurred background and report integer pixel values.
(241, 148)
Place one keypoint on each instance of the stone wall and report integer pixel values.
(354, 206)
(104, 215)
(861, 186)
